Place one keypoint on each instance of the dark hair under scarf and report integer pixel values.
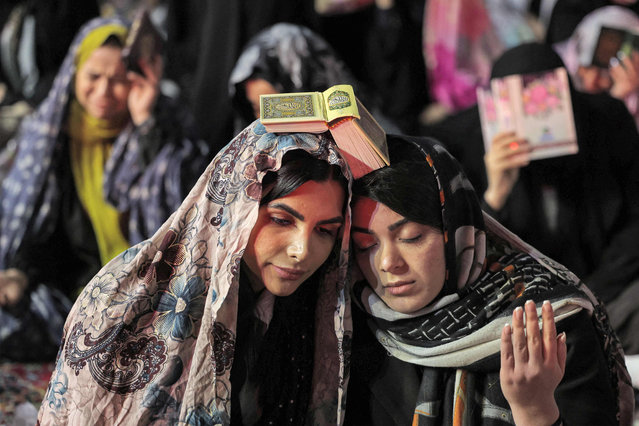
(453, 208)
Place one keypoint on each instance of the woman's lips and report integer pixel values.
(399, 287)
(289, 273)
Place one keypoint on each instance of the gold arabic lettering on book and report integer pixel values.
(360, 138)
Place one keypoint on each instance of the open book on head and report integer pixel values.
(361, 140)
(537, 107)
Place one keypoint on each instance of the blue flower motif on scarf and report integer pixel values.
(129, 254)
(202, 415)
(54, 397)
(180, 307)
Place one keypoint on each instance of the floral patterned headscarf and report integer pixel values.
(152, 336)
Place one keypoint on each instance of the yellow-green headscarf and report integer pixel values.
(96, 38)
(90, 146)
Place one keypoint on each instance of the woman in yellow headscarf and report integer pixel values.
(101, 164)
(97, 114)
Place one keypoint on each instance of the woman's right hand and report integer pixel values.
(145, 89)
(624, 72)
(504, 159)
(13, 283)
(533, 362)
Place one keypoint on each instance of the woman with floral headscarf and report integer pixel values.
(101, 163)
(440, 281)
(233, 312)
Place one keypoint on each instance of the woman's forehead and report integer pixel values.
(367, 211)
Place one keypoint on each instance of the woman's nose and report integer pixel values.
(299, 246)
(103, 86)
(390, 259)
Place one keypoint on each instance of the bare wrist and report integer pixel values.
(494, 200)
(542, 415)
(18, 276)
(139, 119)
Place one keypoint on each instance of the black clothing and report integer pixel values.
(382, 390)
(597, 190)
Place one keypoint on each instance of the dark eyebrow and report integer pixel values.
(336, 219)
(362, 230)
(391, 227)
(298, 215)
(286, 208)
(397, 224)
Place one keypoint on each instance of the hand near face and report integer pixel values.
(13, 283)
(144, 89)
(503, 161)
(532, 365)
(625, 75)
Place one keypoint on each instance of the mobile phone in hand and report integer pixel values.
(144, 42)
(608, 44)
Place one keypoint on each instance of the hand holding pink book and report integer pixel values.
(537, 107)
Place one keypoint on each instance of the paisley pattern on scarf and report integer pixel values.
(152, 336)
(116, 347)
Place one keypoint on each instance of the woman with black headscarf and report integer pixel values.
(440, 339)
(287, 58)
(582, 209)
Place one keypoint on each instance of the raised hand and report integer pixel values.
(624, 72)
(144, 89)
(13, 283)
(504, 159)
(532, 365)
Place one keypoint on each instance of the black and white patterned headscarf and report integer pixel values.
(490, 272)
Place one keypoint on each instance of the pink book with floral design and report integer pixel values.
(538, 108)
(487, 115)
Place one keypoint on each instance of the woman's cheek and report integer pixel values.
(366, 263)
